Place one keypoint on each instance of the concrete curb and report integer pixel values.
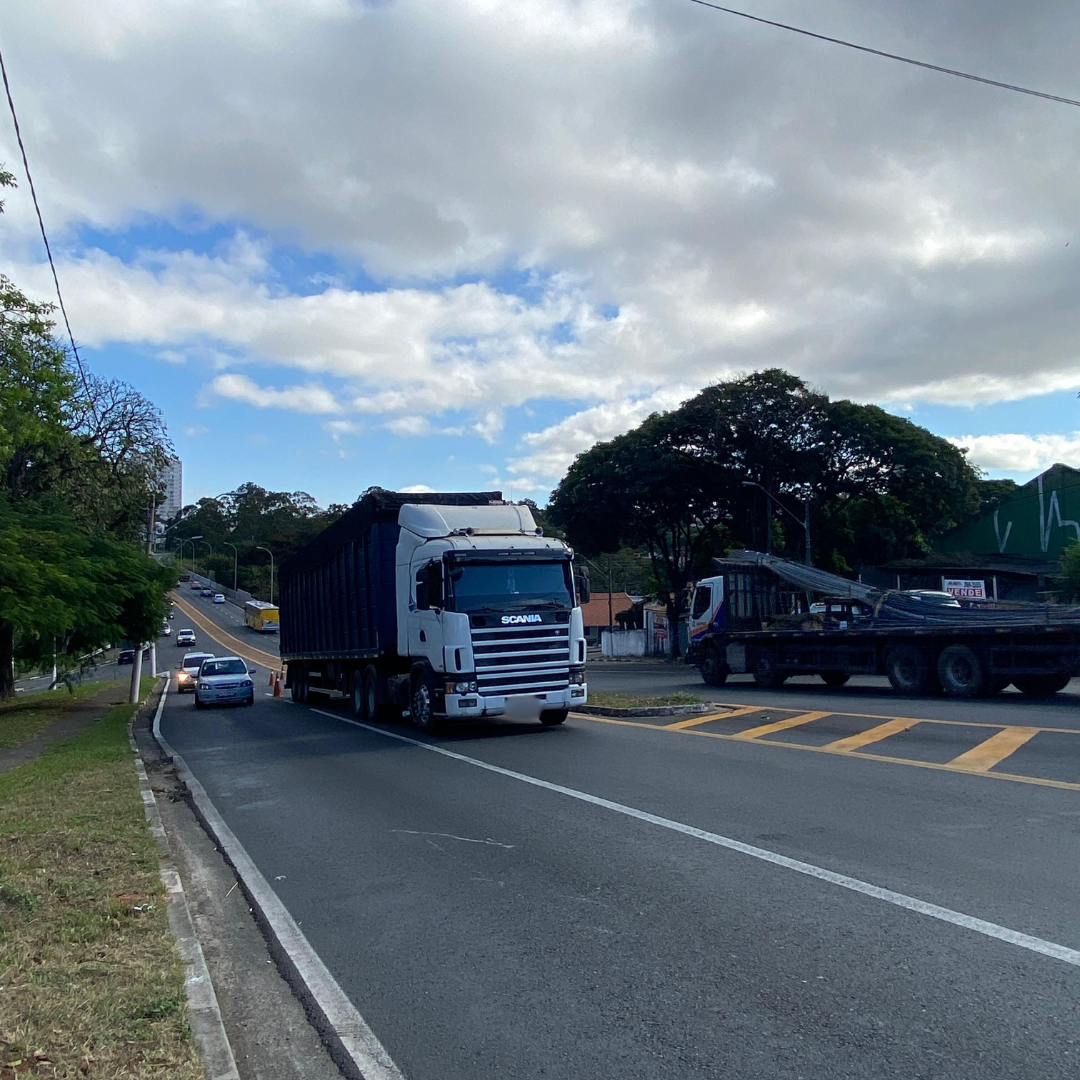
(353, 1046)
(659, 710)
(204, 1014)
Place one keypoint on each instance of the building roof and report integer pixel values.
(595, 612)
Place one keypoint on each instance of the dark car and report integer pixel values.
(127, 656)
(207, 592)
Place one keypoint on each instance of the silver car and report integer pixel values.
(188, 674)
(224, 680)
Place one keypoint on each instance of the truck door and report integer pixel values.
(425, 613)
(705, 605)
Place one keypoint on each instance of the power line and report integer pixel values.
(888, 55)
(45, 238)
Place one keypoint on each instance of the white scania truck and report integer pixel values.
(442, 605)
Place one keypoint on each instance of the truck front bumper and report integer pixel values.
(516, 705)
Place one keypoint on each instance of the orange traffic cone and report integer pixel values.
(277, 685)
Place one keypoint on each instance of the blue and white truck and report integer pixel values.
(436, 606)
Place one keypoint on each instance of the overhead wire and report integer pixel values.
(887, 55)
(45, 239)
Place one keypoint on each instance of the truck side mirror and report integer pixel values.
(583, 585)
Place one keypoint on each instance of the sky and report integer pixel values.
(451, 245)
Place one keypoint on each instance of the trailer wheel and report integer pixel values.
(961, 671)
(909, 670)
(422, 702)
(298, 686)
(1041, 685)
(356, 694)
(766, 672)
(834, 678)
(371, 693)
(714, 669)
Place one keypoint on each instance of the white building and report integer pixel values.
(172, 481)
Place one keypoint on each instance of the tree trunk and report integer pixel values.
(7, 661)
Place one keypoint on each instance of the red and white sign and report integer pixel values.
(963, 589)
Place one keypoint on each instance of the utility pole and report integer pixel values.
(259, 547)
(805, 523)
(136, 674)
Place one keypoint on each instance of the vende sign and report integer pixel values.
(963, 589)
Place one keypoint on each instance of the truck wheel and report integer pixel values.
(834, 678)
(551, 717)
(298, 686)
(356, 694)
(909, 670)
(1040, 685)
(961, 671)
(766, 672)
(714, 669)
(371, 693)
(422, 703)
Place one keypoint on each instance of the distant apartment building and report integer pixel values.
(172, 481)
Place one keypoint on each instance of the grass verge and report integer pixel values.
(22, 718)
(90, 981)
(606, 700)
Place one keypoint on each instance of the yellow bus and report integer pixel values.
(261, 616)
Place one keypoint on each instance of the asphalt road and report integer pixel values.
(487, 927)
(228, 616)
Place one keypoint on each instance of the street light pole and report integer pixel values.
(258, 547)
(211, 547)
(235, 557)
(805, 523)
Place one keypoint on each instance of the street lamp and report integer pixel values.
(188, 540)
(235, 557)
(210, 546)
(271, 554)
(805, 523)
(610, 605)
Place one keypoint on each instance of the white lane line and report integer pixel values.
(865, 888)
(337, 1018)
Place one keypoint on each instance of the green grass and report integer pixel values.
(92, 984)
(606, 700)
(22, 718)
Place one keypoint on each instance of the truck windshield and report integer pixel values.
(511, 586)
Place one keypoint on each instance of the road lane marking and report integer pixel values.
(871, 735)
(995, 749)
(1015, 778)
(779, 725)
(346, 1031)
(901, 900)
(223, 637)
(682, 725)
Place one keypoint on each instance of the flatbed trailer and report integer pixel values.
(775, 619)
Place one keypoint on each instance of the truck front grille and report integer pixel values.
(521, 659)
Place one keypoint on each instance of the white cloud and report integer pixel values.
(1021, 453)
(416, 489)
(305, 399)
(409, 425)
(196, 431)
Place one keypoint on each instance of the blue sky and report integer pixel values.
(453, 245)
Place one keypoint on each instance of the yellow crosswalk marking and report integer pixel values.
(681, 725)
(997, 748)
(780, 725)
(872, 735)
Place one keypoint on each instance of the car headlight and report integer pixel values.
(468, 687)
(577, 678)
(246, 683)
(182, 676)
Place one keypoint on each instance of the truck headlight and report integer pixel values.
(461, 687)
(577, 678)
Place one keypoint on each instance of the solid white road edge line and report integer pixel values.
(357, 1048)
(204, 1012)
(911, 903)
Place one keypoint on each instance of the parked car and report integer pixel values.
(185, 637)
(224, 680)
(127, 656)
(219, 598)
(207, 592)
(187, 676)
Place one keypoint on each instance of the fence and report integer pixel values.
(616, 643)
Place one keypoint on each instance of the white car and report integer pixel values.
(166, 629)
(185, 637)
(224, 680)
(219, 598)
(188, 675)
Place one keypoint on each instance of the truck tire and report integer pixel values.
(422, 702)
(1041, 685)
(714, 669)
(298, 686)
(766, 672)
(356, 694)
(371, 694)
(834, 678)
(961, 672)
(909, 670)
(551, 717)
